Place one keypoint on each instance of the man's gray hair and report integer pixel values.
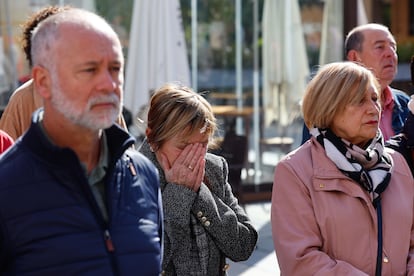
(47, 32)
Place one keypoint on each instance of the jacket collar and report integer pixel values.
(118, 141)
(145, 149)
(327, 177)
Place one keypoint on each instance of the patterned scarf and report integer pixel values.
(370, 167)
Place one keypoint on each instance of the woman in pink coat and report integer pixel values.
(342, 204)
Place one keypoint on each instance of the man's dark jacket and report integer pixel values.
(50, 223)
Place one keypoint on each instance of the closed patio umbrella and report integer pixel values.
(285, 62)
(157, 51)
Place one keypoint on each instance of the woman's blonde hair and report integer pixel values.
(176, 109)
(335, 86)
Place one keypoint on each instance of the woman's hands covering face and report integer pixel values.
(188, 168)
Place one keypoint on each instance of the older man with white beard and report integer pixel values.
(75, 198)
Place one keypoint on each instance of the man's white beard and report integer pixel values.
(87, 118)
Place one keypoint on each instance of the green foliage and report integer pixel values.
(110, 9)
(405, 51)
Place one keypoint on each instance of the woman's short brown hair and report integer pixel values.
(176, 109)
(335, 86)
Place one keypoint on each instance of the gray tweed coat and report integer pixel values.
(202, 229)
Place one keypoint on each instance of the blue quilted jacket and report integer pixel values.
(50, 223)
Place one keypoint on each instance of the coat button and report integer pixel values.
(203, 219)
(385, 260)
(207, 223)
(199, 214)
(321, 185)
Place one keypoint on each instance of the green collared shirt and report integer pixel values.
(97, 175)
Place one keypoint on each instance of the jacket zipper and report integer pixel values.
(103, 223)
(108, 241)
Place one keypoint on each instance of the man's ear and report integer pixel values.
(42, 81)
(353, 55)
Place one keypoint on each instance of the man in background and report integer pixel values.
(373, 46)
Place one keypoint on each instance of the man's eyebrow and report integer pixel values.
(381, 41)
(116, 62)
(87, 63)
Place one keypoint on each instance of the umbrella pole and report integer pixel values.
(256, 104)
(239, 88)
(194, 54)
(10, 50)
